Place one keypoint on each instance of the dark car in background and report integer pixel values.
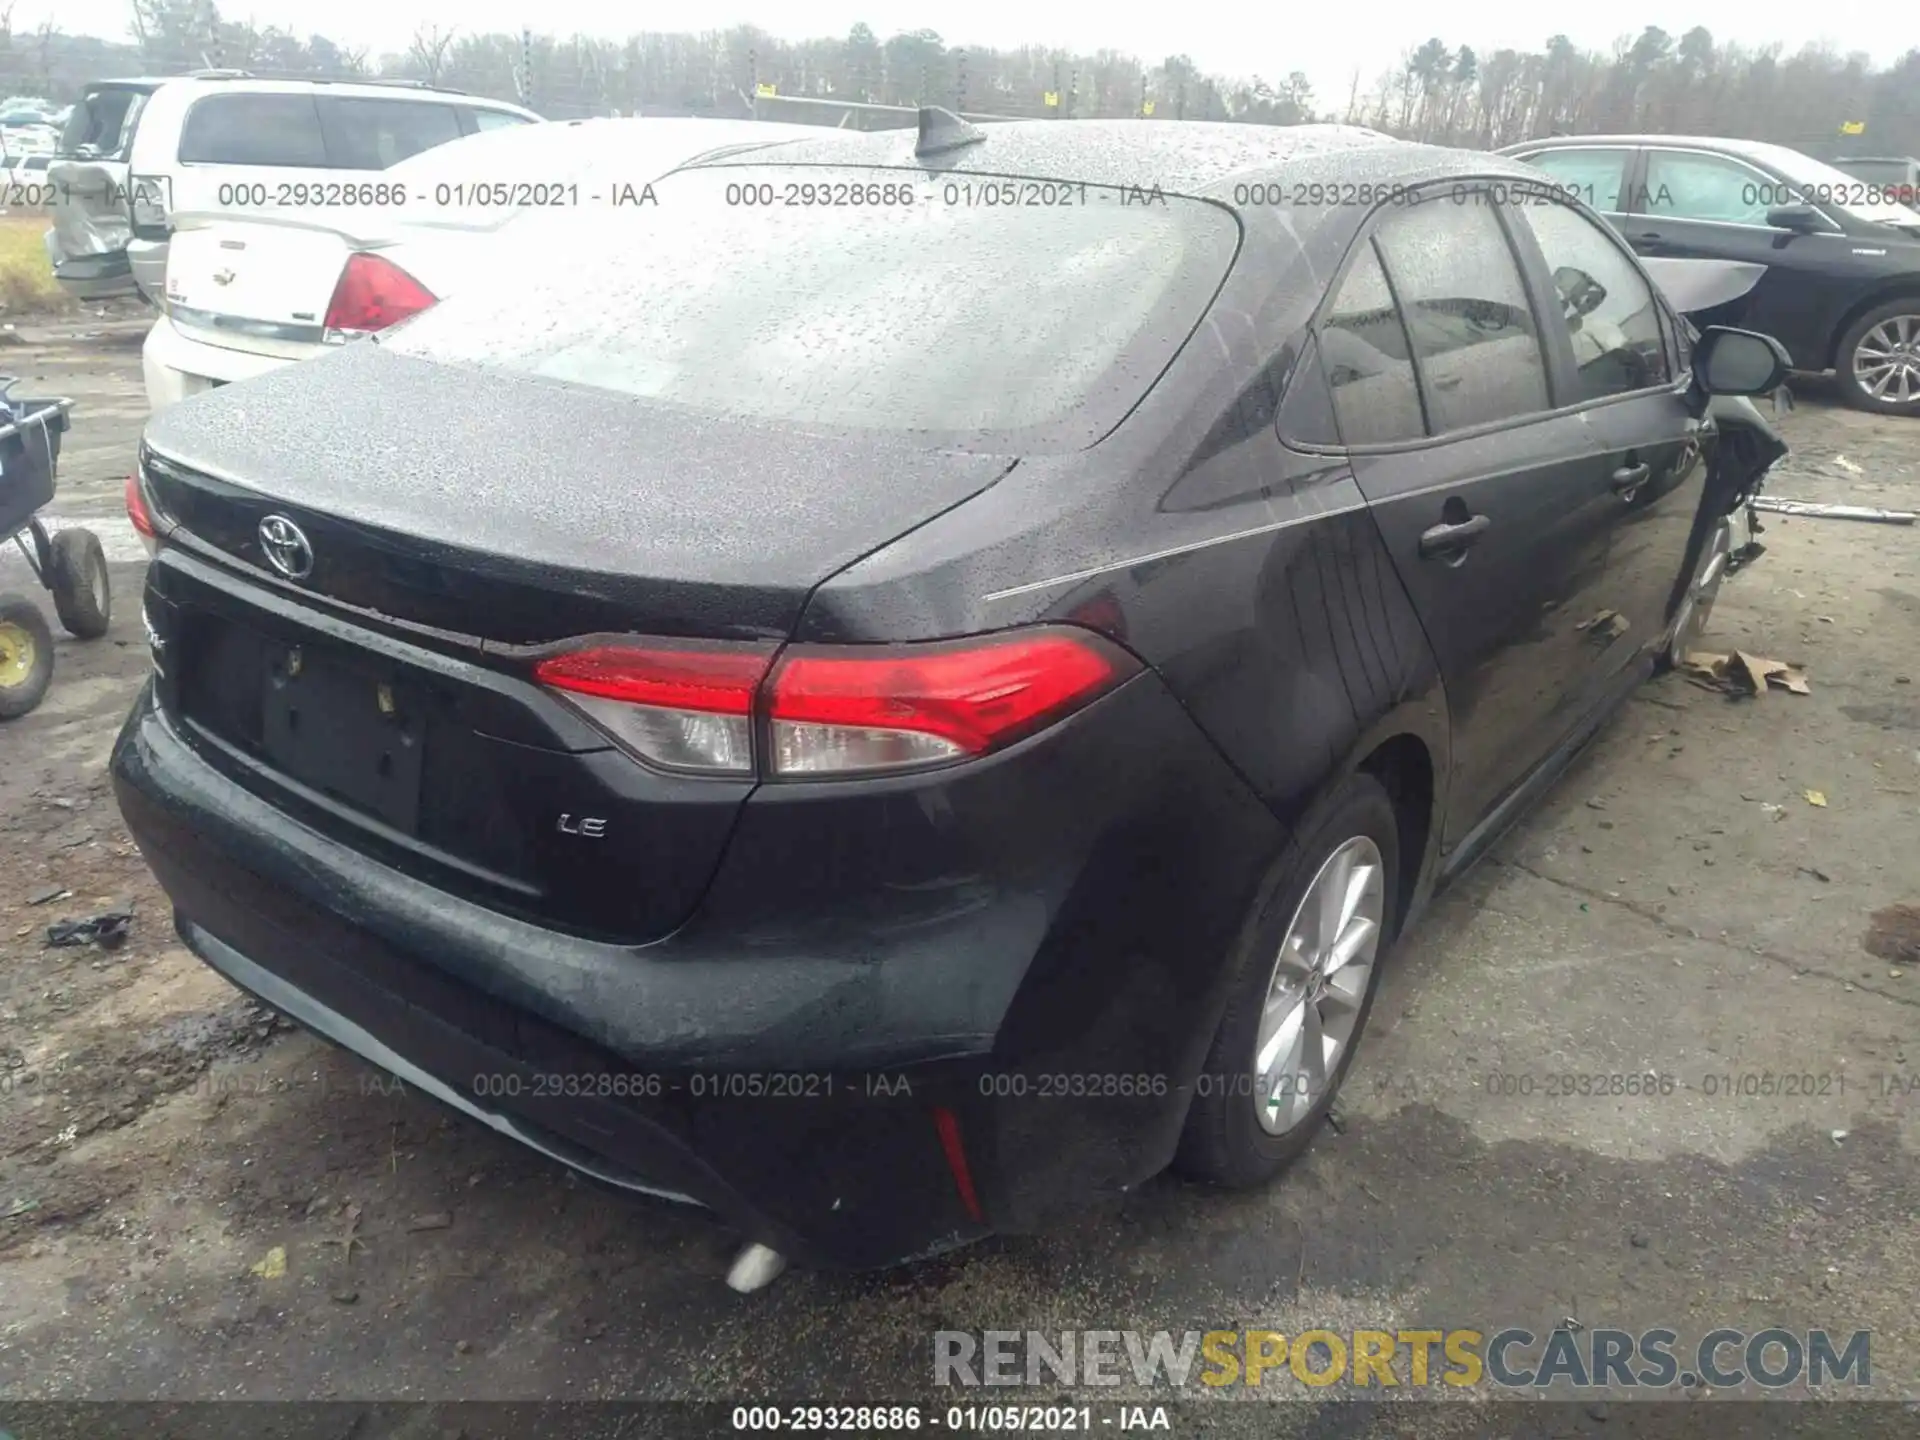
(1842, 284)
(926, 701)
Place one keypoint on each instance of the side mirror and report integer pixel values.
(1739, 362)
(1798, 217)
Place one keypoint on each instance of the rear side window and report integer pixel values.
(1592, 176)
(1467, 312)
(102, 122)
(1369, 367)
(497, 119)
(371, 134)
(241, 129)
(1037, 325)
(1609, 312)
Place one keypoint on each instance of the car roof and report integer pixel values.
(1201, 158)
(668, 141)
(282, 84)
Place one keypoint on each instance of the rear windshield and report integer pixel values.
(943, 315)
(101, 122)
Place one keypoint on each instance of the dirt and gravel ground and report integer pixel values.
(1683, 904)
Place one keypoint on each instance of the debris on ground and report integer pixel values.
(272, 1265)
(1739, 673)
(1607, 625)
(1780, 506)
(108, 930)
(1815, 797)
(48, 896)
(438, 1220)
(1894, 934)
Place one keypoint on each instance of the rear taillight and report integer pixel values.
(834, 710)
(680, 707)
(372, 294)
(140, 516)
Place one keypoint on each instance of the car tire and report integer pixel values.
(1249, 1121)
(26, 656)
(1893, 331)
(77, 576)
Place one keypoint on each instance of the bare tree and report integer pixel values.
(427, 51)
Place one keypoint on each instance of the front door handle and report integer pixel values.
(1451, 542)
(1648, 237)
(1628, 479)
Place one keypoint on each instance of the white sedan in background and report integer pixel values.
(248, 295)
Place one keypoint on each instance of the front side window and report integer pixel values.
(1369, 367)
(1706, 187)
(1610, 313)
(277, 130)
(1592, 176)
(1466, 311)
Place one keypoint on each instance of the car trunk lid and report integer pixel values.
(459, 521)
(263, 283)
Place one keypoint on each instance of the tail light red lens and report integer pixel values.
(372, 294)
(834, 710)
(139, 515)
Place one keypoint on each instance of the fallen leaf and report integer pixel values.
(272, 1265)
(1814, 797)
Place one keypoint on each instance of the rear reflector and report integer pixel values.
(681, 708)
(834, 710)
(372, 294)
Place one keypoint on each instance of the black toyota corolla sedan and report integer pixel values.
(899, 683)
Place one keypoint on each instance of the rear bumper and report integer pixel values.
(147, 259)
(96, 277)
(175, 366)
(783, 1069)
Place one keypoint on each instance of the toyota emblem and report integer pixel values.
(286, 548)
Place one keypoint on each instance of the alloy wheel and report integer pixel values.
(1886, 361)
(1696, 604)
(1319, 984)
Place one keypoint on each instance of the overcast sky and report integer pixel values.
(1327, 41)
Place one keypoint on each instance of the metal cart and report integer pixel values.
(69, 564)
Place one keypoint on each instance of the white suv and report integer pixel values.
(134, 151)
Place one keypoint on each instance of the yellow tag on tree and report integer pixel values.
(1053, 99)
(1853, 127)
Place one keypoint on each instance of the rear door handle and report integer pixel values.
(1628, 479)
(1449, 541)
